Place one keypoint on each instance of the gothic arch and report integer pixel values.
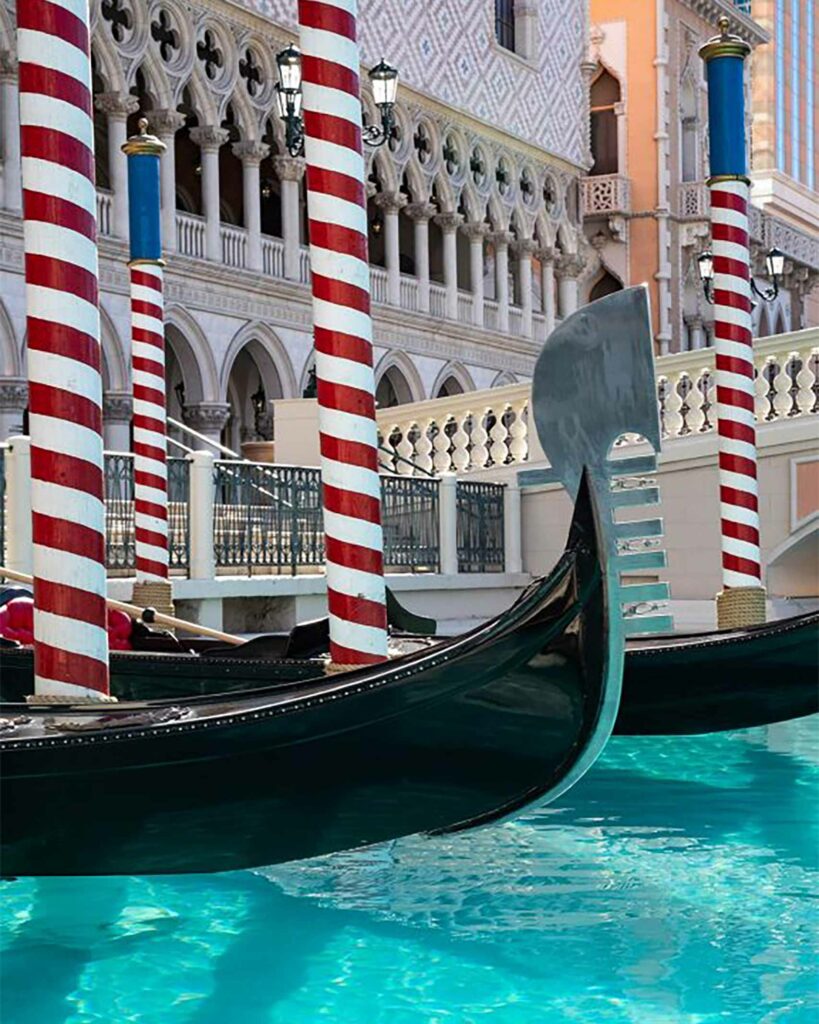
(11, 362)
(504, 379)
(405, 374)
(270, 356)
(191, 348)
(456, 372)
(108, 64)
(116, 374)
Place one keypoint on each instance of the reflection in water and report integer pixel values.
(672, 885)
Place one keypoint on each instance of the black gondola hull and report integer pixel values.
(458, 735)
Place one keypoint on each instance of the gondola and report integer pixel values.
(459, 734)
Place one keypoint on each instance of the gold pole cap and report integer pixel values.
(143, 144)
(725, 44)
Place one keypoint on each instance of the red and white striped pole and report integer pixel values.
(65, 384)
(742, 601)
(336, 206)
(152, 587)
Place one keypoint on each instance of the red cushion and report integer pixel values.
(17, 623)
(17, 620)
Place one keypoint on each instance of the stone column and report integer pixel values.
(568, 269)
(421, 214)
(13, 402)
(10, 135)
(524, 250)
(501, 240)
(165, 124)
(210, 139)
(390, 203)
(449, 225)
(290, 171)
(251, 153)
(117, 106)
(696, 336)
(208, 419)
(547, 289)
(476, 231)
(117, 409)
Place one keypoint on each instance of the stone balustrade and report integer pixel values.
(482, 429)
(605, 193)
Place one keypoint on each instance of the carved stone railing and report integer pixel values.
(190, 235)
(604, 194)
(482, 429)
(693, 200)
(272, 256)
(234, 246)
(105, 202)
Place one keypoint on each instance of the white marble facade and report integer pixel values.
(476, 243)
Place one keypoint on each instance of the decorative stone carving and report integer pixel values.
(501, 239)
(209, 137)
(165, 122)
(524, 248)
(569, 266)
(116, 104)
(8, 66)
(545, 254)
(206, 417)
(449, 221)
(289, 168)
(475, 230)
(250, 151)
(421, 211)
(13, 394)
(390, 202)
(117, 407)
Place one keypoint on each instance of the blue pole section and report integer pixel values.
(143, 153)
(724, 57)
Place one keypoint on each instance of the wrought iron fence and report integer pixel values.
(480, 527)
(267, 516)
(409, 512)
(120, 551)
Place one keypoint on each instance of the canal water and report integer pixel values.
(676, 883)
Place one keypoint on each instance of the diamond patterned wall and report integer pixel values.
(447, 49)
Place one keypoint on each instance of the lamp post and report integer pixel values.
(152, 587)
(774, 264)
(742, 600)
(384, 81)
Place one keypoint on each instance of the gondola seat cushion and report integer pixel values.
(17, 623)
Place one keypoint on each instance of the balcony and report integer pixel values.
(693, 201)
(605, 194)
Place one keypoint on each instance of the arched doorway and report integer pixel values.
(253, 383)
(606, 285)
(605, 94)
(393, 389)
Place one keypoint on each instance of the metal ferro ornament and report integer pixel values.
(742, 601)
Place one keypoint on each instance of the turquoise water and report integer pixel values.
(676, 883)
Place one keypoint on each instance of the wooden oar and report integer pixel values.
(164, 620)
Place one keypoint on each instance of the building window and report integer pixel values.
(505, 23)
(605, 94)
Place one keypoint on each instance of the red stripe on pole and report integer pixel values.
(731, 364)
(329, 128)
(48, 82)
(729, 233)
(737, 431)
(147, 423)
(47, 272)
(722, 297)
(333, 183)
(341, 293)
(67, 667)
(152, 509)
(733, 332)
(150, 451)
(60, 599)
(743, 565)
(146, 394)
(726, 200)
(338, 239)
(351, 503)
(48, 209)
(315, 14)
(159, 540)
(342, 655)
(61, 340)
(343, 398)
(45, 400)
(148, 337)
(151, 566)
(147, 309)
(737, 464)
(742, 499)
(38, 143)
(151, 366)
(66, 470)
(732, 396)
(53, 532)
(53, 20)
(345, 346)
(318, 71)
(354, 453)
(146, 280)
(726, 265)
(740, 531)
(152, 480)
(358, 610)
(354, 556)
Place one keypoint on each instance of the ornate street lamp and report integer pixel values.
(774, 263)
(384, 79)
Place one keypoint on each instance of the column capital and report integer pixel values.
(209, 137)
(116, 104)
(475, 230)
(8, 66)
(545, 254)
(289, 168)
(693, 320)
(251, 151)
(449, 221)
(569, 265)
(117, 407)
(206, 417)
(390, 202)
(524, 248)
(421, 211)
(165, 122)
(13, 394)
(501, 239)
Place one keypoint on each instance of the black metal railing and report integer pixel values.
(480, 527)
(409, 513)
(120, 550)
(267, 517)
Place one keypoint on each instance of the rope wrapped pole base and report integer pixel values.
(157, 594)
(740, 607)
(51, 699)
